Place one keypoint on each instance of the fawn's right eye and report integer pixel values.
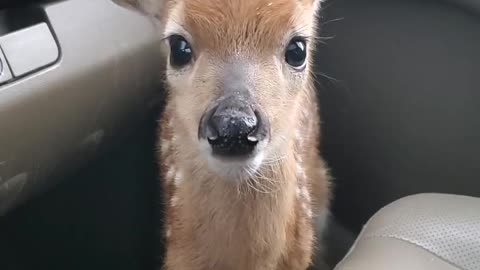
(296, 53)
(180, 51)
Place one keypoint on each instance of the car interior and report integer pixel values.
(81, 90)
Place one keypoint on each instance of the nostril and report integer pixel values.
(212, 132)
(249, 125)
(252, 135)
(252, 139)
(213, 140)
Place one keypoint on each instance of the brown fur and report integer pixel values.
(263, 223)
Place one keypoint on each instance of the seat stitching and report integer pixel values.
(415, 244)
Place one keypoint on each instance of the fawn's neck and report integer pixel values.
(234, 221)
(238, 224)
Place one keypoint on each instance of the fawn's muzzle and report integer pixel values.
(233, 127)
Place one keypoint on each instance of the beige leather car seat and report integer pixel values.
(420, 232)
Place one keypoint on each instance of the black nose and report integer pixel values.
(231, 130)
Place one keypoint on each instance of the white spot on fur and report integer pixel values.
(298, 136)
(306, 194)
(174, 201)
(300, 172)
(307, 209)
(304, 206)
(165, 145)
(178, 178)
(170, 174)
(309, 212)
(169, 233)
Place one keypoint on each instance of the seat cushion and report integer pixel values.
(425, 231)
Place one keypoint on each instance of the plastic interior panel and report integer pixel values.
(29, 49)
(54, 120)
(5, 73)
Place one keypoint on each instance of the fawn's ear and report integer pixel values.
(147, 7)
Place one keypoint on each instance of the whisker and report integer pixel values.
(274, 160)
(332, 20)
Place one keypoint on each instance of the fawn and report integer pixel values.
(245, 185)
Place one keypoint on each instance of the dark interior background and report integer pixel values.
(401, 105)
(398, 85)
(106, 216)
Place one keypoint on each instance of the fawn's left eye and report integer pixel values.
(180, 51)
(296, 53)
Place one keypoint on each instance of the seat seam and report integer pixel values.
(417, 245)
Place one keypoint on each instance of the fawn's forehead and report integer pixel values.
(235, 25)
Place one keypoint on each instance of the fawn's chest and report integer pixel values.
(226, 232)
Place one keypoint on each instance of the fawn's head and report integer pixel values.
(236, 71)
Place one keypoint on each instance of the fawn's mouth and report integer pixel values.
(233, 167)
